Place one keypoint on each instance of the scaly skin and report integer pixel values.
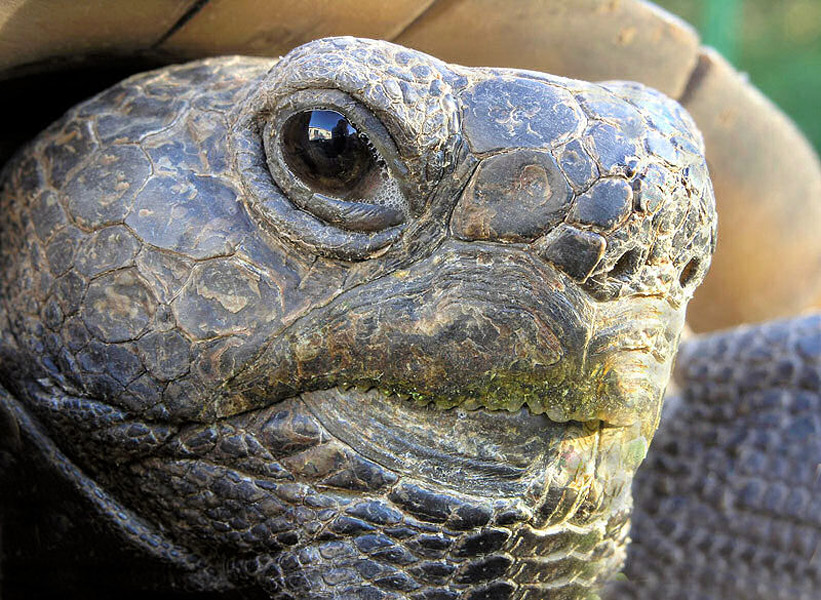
(448, 407)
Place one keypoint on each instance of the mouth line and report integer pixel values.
(442, 404)
(469, 405)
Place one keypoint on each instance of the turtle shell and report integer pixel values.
(767, 176)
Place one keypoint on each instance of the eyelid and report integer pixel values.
(353, 216)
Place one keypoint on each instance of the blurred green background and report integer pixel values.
(777, 42)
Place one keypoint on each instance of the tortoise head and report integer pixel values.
(362, 321)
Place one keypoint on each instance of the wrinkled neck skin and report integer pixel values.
(445, 396)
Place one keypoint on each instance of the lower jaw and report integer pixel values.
(477, 504)
(485, 505)
(471, 505)
(491, 454)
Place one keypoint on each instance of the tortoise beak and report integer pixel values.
(467, 327)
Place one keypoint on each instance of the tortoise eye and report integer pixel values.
(332, 170)
(326, 152)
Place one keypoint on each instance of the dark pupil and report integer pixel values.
(325, 151)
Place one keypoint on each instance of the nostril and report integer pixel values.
(627, 265)
(689, 272)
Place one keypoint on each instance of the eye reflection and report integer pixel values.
(326, 152)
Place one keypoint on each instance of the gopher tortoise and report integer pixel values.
(359, 323)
